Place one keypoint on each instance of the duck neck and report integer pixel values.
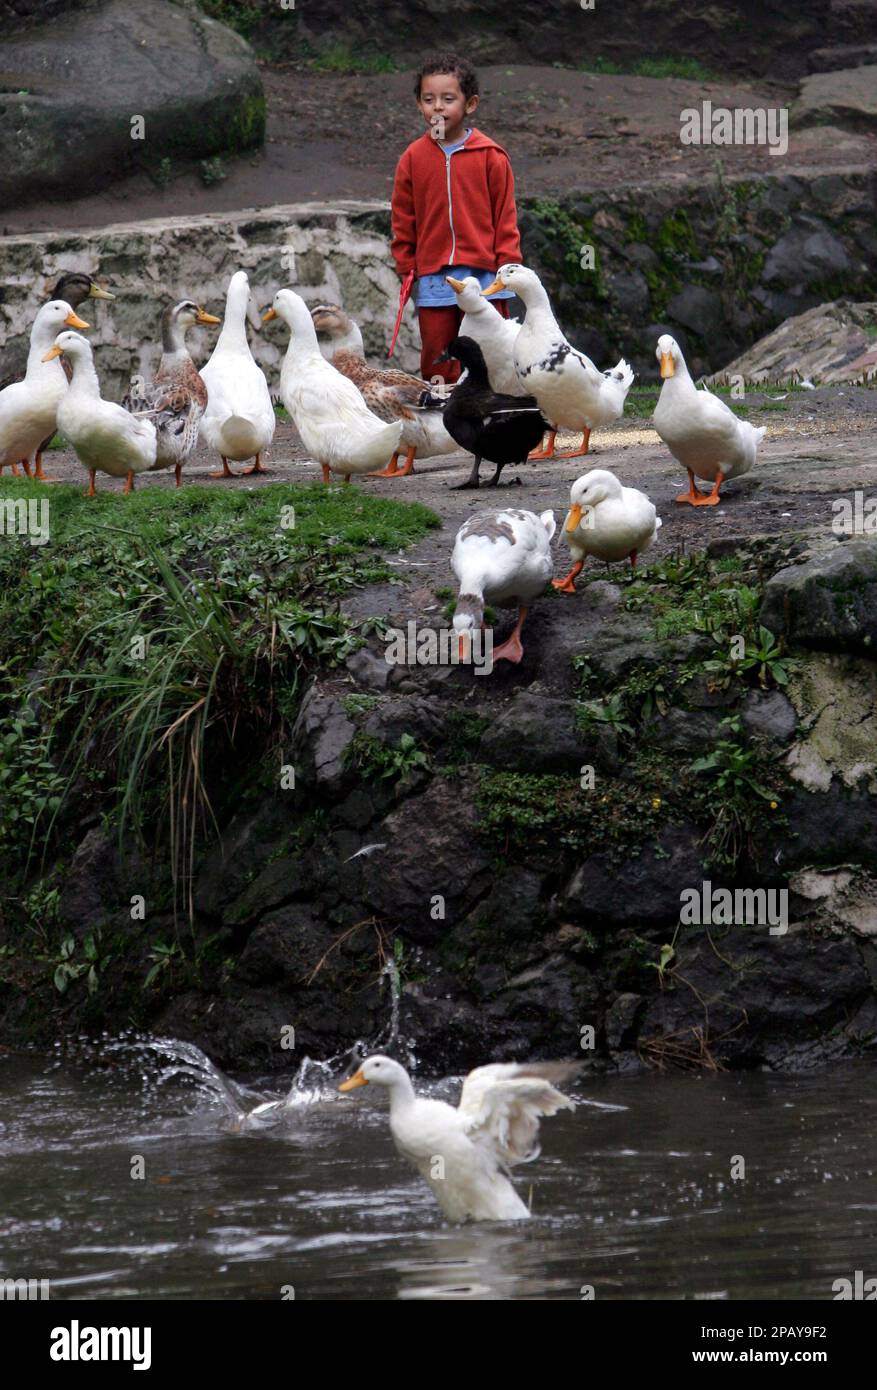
(681, 375)
(303, 342)
(84, 380)
(401, 1094)
(349, 341)
(173, 337)
(42, 337)
(233, 334)
(537, 304)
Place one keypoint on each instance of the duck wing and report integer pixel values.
(501, 1105)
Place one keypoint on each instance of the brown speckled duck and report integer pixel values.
(177, 397)
(390, 394)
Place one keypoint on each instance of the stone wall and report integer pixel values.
(333, 252)
(718, 264)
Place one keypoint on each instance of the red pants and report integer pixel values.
(437, 328)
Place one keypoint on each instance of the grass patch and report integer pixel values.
(158, 644)
(687, 68)
(338, 58)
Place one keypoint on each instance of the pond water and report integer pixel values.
(249, 1193)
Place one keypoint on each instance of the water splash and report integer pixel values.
(163, 1062)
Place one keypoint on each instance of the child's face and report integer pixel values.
(441, 100)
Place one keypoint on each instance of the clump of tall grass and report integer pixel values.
(144, 661)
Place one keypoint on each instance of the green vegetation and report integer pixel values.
(537, 814)
(734, 790)
(565, 237)
(385, 762)
(687, 68)
(240, 15)
(159, 642)
(338, 58)
(212, 171)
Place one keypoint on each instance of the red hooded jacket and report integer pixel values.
(454, 209)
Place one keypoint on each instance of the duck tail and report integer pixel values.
(238, 435)
(623, 372)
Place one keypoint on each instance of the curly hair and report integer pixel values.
(450, 63)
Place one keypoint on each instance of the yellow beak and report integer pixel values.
(456, 285)
(574, 516)
(492, 289)
(668, 366)
(97, 293)
(271, 314)
(53, 352)
(74, 321)
(354, 1081)
(202, 316)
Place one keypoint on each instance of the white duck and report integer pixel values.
(463, 1153)
(501, 556)
(29, 408)
(494, 334)
(699, 429)
(336, 426)
(105, 436)
(239, 420)
(388, 393)
(606, 520)
(572, 393)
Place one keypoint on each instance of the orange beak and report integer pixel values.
(573, 518)
(492, 289)
(74, 321)
(353, 1082)
(53, 352)
(271, 314)
(202, 316)
(456, 285)
(668, 366)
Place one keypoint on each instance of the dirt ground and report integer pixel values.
(820, 445)
(333, 135)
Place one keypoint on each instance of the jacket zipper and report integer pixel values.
(448, 158)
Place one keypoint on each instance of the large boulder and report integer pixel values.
(76, 89)
(830, 343)
(830, 601)
(847, 98)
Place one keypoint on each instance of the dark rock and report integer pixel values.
(535, 733)
(420, 717)
(280, 881)
(642, 255)
(93, 881)
(642, 887)
(246, 844)
(826, 828)
(322, 734)
(432, 850)
(769, 713)
(630, 292)
(76, 133)
(368, 669)
(621, 1020)
(753, 996)
(684, 731)
(697, 309)
(806, 255)
(830, 601)
(283, 951)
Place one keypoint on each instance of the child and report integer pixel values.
(453, 206)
